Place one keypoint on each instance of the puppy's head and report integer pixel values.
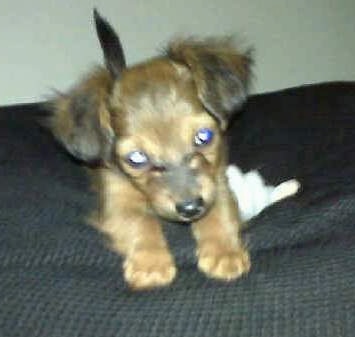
(160, 122)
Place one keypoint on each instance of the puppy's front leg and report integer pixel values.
(220, 252)
(136, 234)
(148, 262)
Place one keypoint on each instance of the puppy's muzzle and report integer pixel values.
(191, 208)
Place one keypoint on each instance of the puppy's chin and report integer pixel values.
(184, 220)
(170, 216)
(192, 219)
(179, 219)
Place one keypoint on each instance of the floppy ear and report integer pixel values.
(111, 46)
(80, 120)
(221, 73)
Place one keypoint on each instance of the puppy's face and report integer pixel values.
(161, 122)
(169, 145)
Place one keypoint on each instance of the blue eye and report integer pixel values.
(203, 136)
(137, 159)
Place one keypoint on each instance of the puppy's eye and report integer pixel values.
(203, 136)
(137, 159)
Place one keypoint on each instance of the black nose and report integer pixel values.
(190, 208)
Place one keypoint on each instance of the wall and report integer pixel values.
(47, 44)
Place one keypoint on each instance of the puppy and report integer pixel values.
(156, 131)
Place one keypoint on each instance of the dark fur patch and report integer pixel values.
(220, 71)
(224, 90)
(90, 142)
(80, 105)
(181, 181)
(77, 126)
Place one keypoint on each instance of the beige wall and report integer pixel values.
(47, 44)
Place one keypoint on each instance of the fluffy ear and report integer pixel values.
(80, 120)
(111, 46)
(221, 73)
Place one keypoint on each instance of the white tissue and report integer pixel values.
(252, 193)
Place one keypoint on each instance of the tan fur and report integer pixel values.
(157, 107)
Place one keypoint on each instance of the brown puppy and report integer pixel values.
(157, 130)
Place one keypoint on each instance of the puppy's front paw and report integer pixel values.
(149, 268)
(222, 263)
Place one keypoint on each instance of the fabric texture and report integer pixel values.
(57, 279)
